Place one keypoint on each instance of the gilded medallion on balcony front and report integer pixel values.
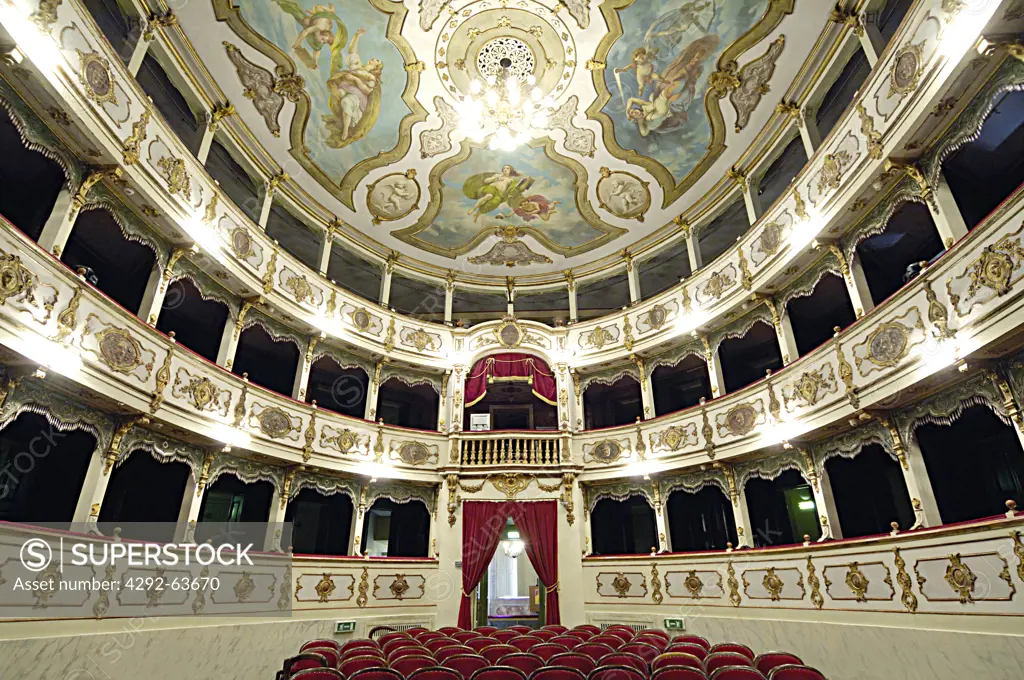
(741, 419)
(990, 275)
(675, 437)
(890, 342)
(117, 348)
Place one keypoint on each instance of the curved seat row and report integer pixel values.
(553, 652)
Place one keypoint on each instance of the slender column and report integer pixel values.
(741, 515)
(444, 407)
(358, 519)
(693, 249)
(449, 294)
(153, 297)
(97, 476)
(188, 514)
(715, 375)
(269, 189)
(856, 282)
(946, 214)
(828, 513)
(784, 332)
(646, 390)
(385, 279)
(633, 276)
(374, 390)
(749, 199)
(915, 474)
(570, 283)
(57, 230)
(871, 41)
(571, 533)
(432, 528)
(458, 398)
(301, 382)
(588, 528)
(231, 334)
(578, 401)
(510, 293)
(324, 255)
(563, 387)
(275, 523)
(809, 133)
(660, 518)
(140, 27)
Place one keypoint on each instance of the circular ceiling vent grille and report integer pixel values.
(510, 53)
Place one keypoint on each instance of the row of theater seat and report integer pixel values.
(551, 653)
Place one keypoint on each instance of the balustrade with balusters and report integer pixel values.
(513, 448)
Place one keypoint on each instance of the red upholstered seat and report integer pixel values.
(588, 627)
(594, 650)
(643, 650)
(734, 647)
(546, 650)
(409, 651)
(505, 635)
(527, 663)
(624, 634)
(521, 629)
(652, 639)
(718, 660)
(362, 651)
(303, 661)
(544, 634)
(583, 635)
(737, 673)
(481, 642)
(429, 635)
(435, 673)
(616, 673)
(622, 659)
(581, 662)
(675, 659)
(465, 635)
(678, 673)
(496, 651)
(434, 645)
(485, 630)
(416, 630)
(794, 672)
(466, 664)
(525, 642)
(692, 639)
(448, 630)
(407, 664)
(332, 656)
(499, 673)
(454, 650)
(659, 633)
(383, 640)
(398, 643)
(557, 673)
(329, 644)
(377, 674)
(555, 628)
(318, 674)
(355, 644)
(608, 640)
(357, 663)
(570, 641)
(769, 660)
(689, 648)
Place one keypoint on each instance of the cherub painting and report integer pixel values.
(507, 187)
(658, 83)
(354, 87)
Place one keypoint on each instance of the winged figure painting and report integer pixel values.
(508, 187)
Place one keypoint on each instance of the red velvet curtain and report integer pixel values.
(511, 365)
(482, 526)
(538, 522)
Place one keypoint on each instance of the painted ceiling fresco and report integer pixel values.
(357, 101)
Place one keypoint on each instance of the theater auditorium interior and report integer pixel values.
(722, 379)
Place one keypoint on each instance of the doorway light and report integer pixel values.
(805, 505)
(513, 535)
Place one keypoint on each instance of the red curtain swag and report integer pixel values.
(482, 525)
(511, 367)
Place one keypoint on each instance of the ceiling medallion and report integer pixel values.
(509, 333)
(393, 196)
(94, 74)
(623, 194)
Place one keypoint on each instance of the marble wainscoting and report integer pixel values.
(151, 649)
(863, 650)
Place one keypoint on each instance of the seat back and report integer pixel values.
(769, 660)
(581, 662)
(388, 637)
(557, 673)
(423, 638)
(657, 633)
(524, 642)
(527, 663)
(688, 648)
(448, 652)
(583, 635)
(498, 673)
(408, 664)
(546, 650)
(496, 651)
(357, 663)
(329, 644)
(435, 673)
(464, 635)
(594, 650)
(318, 674)
(616, 673)
(794, 672)
(481, 642)
(718, 660)
(678, 673)
(591, 628)
(408, 651)
(522, 630)
(485, 630)
(555, 628)
(643, 650)
(303, 661)
(544, 634)
(737, 673)
(735, 648)
(505, 635)
(466, 664)
(397, 643)
(362, 651)
(448, 630)
(623, 659)
(377, 674)
(623, 633)
(608, 640)
(653, 640)
(675, 659)
(567, 641)
(434, 645)
(356, 644)
(693, 640)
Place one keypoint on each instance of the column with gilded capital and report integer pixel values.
(326, 243)
(633, 277)
(715, 374)
(232, 332)
(915, 475)
(444, 408)
(741, 514)
(301, 382)
(212, 120)
(192, 501)
(449, 294)
(750, 198)
(692, 244)
(269, 189)
(783, 331)
(824, 501)
(577, 391)
(374, 390)
(564, 389)
(458, 396)
(57, 230)
(646, 389)
(385, 279)
(570, 284)
(856, 282)
(278, 508)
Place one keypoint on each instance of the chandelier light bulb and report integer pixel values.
(475, 87)
(491, 98)
(531, 79)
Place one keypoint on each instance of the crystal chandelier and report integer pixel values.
(501, 109)
(514, 548)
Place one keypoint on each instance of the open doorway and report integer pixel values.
(509, 593)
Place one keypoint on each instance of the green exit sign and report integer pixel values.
(675, 624)
(344, 626)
